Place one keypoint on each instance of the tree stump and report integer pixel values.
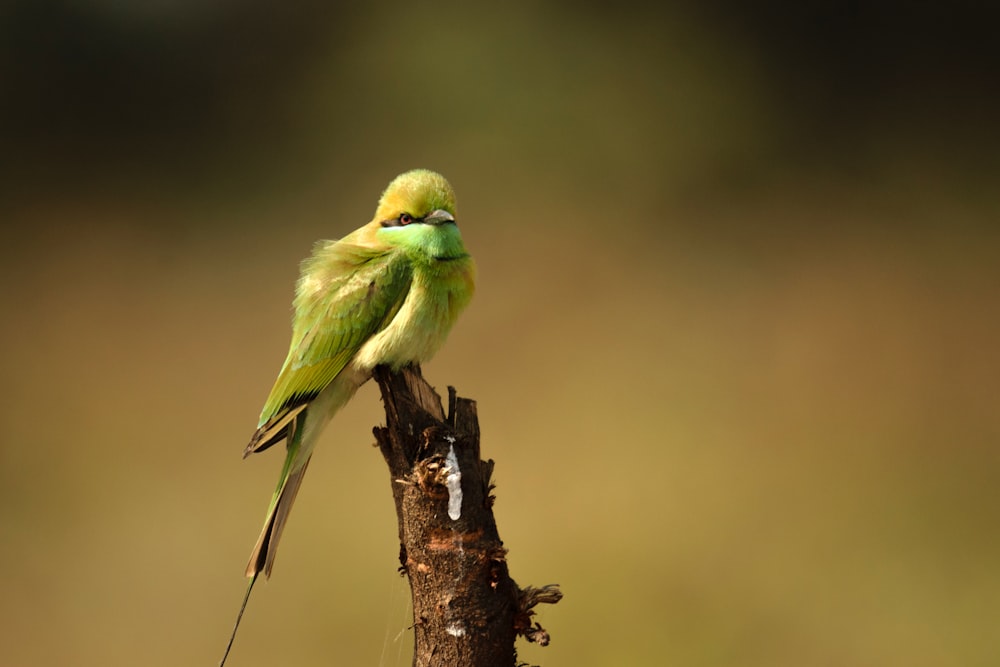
(466, 609)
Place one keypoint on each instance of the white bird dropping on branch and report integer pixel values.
(454, 483)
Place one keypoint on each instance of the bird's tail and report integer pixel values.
(262, 556)
(301, 427)
(292, 472)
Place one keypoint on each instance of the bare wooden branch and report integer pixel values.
(466, 608)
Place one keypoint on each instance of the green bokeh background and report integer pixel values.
(734, 346)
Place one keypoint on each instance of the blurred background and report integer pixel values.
(734, 345)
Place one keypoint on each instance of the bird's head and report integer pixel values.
(417, 211)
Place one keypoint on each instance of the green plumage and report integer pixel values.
(385, 294)
(346, 294)
(388, 293)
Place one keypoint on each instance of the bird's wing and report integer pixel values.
(347, 293)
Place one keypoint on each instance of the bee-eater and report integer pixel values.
(387, 293)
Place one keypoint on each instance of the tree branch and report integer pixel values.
(466, 608)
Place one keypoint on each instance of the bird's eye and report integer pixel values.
(405, 219)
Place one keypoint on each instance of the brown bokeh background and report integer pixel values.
(734, 347)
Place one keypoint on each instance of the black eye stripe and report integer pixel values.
(403, 220)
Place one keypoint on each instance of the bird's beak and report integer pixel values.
(438, 217)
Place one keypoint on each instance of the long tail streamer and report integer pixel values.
(239, 618)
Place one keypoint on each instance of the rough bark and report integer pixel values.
(466, 608)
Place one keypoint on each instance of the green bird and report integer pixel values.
(387, 293)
